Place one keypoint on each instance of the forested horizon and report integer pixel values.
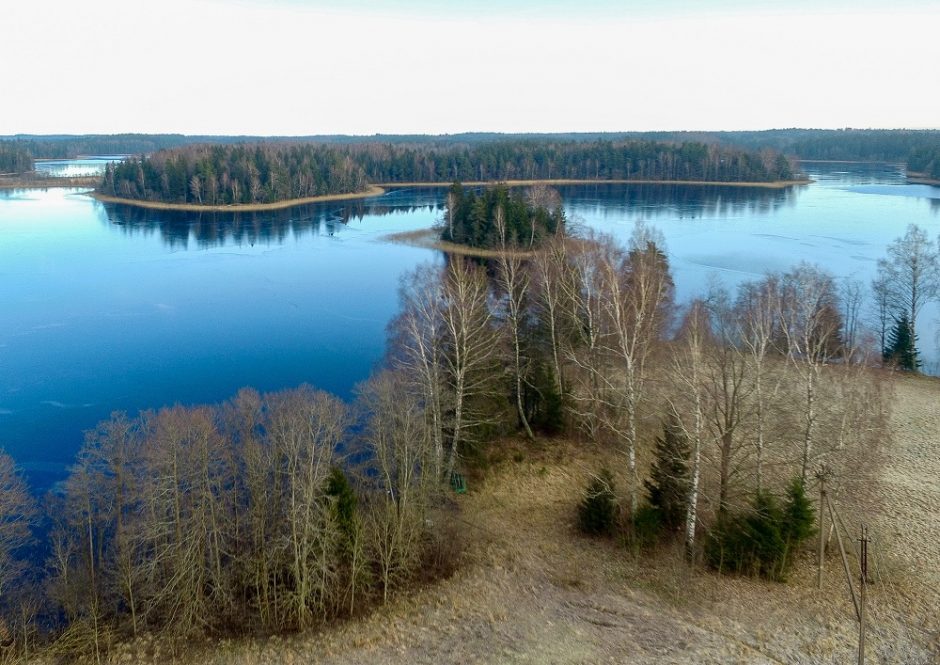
(800, 143)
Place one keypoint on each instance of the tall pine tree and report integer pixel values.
(901, 347)
(668, 484)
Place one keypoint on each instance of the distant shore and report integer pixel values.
(776, 184)
(373, 190)
(33, 182)
(921, 179)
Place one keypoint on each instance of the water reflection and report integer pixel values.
(648, 201)
(178, 229)
(651, 201)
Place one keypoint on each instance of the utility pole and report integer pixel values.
(864, 580)
(822, 475)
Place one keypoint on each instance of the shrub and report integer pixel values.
(647, 526)
(760, 542)
(598, 509)
(668, 485)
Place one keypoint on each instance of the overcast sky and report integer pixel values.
(423, 66)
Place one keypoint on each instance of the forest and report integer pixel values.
(234, 174)
(925, 161)
(14, 159)
(284, 511)
(264, 173)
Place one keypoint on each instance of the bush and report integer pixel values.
(647, 526)
(760, 542)
(668, 485)
(598, 509)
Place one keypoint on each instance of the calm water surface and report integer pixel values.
(107, 308)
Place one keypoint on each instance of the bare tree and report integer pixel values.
(400, 448)
(513, 280)
(417, 341)
(810, 323)
(911, 272)
(758, 309)
(688, 369)
(17, 512)
(554, 286)
(470, 345)
(639, 297)
(729, 386)
(882, 307)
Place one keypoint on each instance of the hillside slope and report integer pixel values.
(531, 591)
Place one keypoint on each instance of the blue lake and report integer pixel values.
(107, 307)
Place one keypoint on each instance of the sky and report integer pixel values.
(300, 67)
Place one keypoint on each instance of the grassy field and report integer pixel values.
(531, 590)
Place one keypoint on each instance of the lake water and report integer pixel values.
(107, 307)
(74, 168)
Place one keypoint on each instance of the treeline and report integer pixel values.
(500, 217)
(578, 160)
(926, 161)
(234, 174)
(14, 158)
(242, 518)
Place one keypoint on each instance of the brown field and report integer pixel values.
(530, 590)
(245, 207)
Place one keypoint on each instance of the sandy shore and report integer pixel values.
(373, 190)
(921, 179)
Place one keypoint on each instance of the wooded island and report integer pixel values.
(253, 174)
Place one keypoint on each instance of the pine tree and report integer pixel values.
(668, 485)
(901, 347)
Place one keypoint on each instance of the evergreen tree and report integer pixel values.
(668, 485)
(598, 509)
(901, 347)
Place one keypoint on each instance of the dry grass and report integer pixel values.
(241, 207)
(530, 590)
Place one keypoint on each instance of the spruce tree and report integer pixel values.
(901, 347)
(668, 484)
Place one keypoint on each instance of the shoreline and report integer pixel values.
(19, 182)
(373, 190)
(776, 184)
(916, 178)
(429, 238)
(381, 188)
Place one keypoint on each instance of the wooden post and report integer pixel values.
(845, 561)
(822, 475)
(864, 580)
(822, 531)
